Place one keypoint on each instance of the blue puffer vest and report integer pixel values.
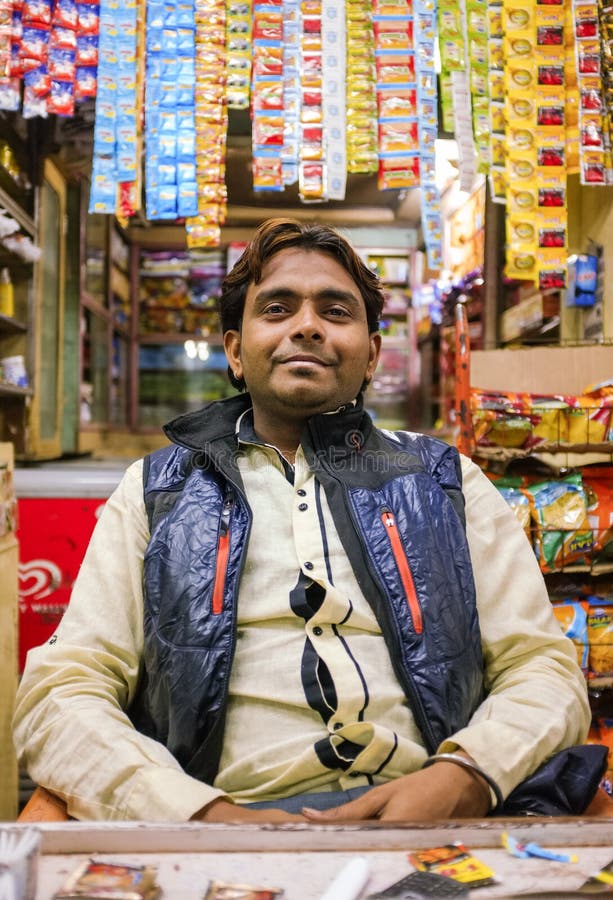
(398, 508)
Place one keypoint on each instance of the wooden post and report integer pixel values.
(8, 635)
(465, 441)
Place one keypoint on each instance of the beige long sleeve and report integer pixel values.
(71, 730)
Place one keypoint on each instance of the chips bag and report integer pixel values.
(600, 635)
(563, 537)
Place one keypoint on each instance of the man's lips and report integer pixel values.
(304, 358)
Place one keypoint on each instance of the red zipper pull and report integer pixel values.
(221, 563)
(406, 577)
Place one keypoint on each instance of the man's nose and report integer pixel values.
(306, 324)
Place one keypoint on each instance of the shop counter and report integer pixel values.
(303, 859)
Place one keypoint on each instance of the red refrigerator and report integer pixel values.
(58, 505)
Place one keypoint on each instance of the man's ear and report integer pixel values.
(232, 348)
(373, 356)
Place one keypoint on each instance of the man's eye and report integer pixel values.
(274, 309)
(337, 311)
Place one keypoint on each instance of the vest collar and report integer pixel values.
(344, 431)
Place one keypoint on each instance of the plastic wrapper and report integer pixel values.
(562, 535)
(529, 422)
(598, 487)
(572, 615)
(600, 635)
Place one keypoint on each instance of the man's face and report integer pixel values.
(304, 345)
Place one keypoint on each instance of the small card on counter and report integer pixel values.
(453, 861)
(223, 890)
(99, 880)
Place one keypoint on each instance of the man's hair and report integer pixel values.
(279, 234)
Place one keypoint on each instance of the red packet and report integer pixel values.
(95, 880)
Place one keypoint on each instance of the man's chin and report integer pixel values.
(312, 402)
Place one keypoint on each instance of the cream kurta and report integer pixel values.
(304, 690)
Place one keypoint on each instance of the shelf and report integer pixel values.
(8, 325)
(190, 307)
(507, 453)
(16, 212)
(392, 342)
(12, 390)
(160, 337)
(164, 273)
(601, 682)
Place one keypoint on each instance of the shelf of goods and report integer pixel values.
(17, 232)
(181, 363)
(551, 457)
(387, 398)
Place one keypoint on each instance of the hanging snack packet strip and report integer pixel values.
(519, 47)
(104, 183)
(289, 66)
(334, 97)
(478, 53)
(238, 53)
(267, 97)
(362, 156)
(592, 144)
(396, 99)
(203, 227)
(427, 119)
(551, 219)
(497, 119)
(312, 172)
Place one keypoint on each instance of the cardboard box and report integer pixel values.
(546, 370)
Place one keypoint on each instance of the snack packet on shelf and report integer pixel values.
(513, 493)
(598, 486)
(563, 538)
(600, 635)
(572, 616)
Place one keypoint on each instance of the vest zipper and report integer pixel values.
(389, 520)
(223, 552)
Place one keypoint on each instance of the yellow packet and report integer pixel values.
(453, 861)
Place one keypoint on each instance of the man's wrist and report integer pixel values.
(462, 759)
(206, 813)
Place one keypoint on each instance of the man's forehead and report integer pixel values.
(321, 268)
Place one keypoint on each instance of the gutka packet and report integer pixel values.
(453, 861)
(96, 879)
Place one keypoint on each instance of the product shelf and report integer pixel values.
(13, 390)
(9, 325)
(567, 517)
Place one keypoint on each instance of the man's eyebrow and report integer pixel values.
(331, 293)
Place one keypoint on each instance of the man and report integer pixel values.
(288, 609)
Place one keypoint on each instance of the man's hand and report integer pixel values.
(222, 810)
(442, 791)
